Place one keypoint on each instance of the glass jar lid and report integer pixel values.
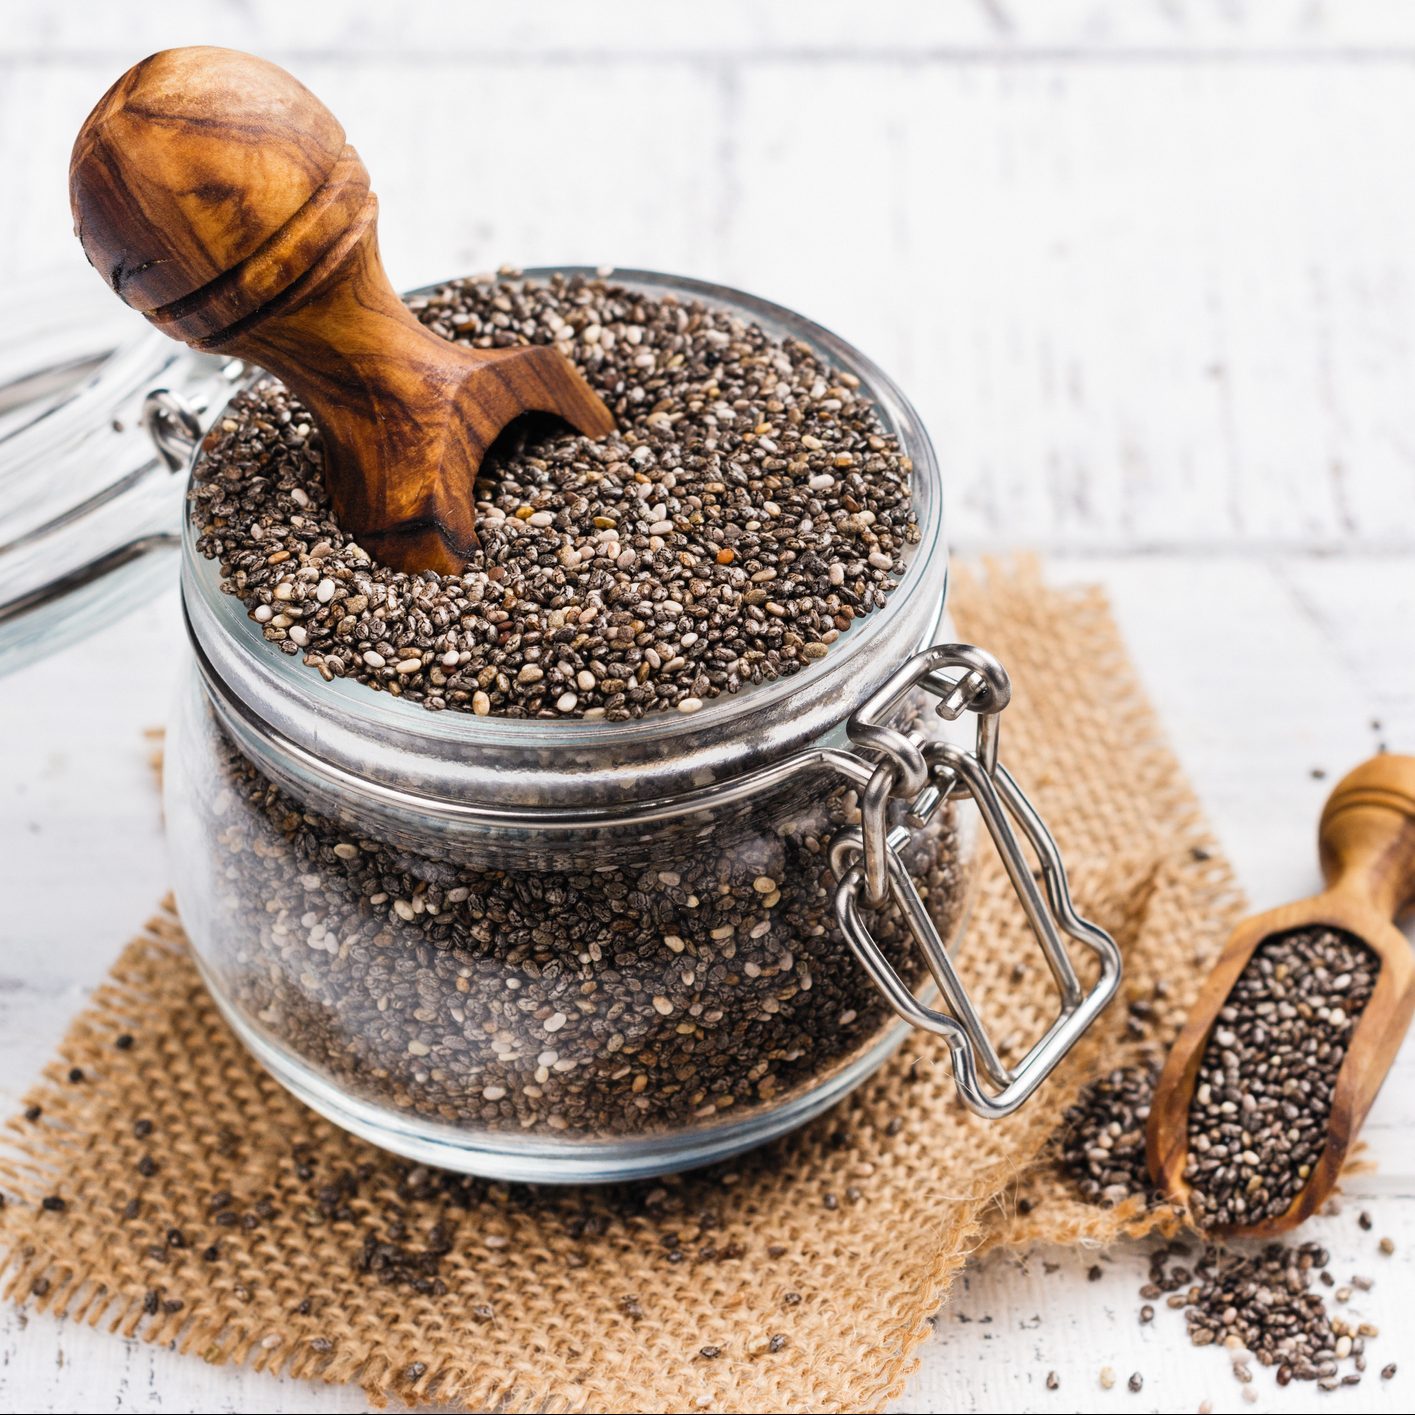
(90, 507)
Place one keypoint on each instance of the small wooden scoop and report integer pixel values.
(217, 195)
(1367, 843)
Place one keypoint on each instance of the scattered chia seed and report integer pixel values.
(53, 1203)
(124, 1041)
(747, 509)
(1259, 1301)
(1263, 1093)
(1103, 1135)
(75, 1075)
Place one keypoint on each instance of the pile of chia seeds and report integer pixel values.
(748, 508)
(1263, 1094)
(1258, 1303)
(1257, 1125)
(620, 997)
(1103, 1135)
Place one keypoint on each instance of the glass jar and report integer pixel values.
(587, 950)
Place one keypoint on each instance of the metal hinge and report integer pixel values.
(868, 863)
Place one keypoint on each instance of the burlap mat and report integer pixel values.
(800, 1278)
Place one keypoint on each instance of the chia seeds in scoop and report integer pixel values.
(747, 509)
(1263, 1093)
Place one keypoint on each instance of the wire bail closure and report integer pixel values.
(868, 864)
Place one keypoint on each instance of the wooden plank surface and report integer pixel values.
(1147, 268)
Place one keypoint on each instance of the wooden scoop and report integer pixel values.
(217, 195)
(1367, 844)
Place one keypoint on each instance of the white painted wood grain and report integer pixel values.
(1147, 294)
(1147, 266)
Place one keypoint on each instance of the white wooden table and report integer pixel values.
(1149, 271)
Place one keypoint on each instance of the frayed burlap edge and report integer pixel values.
(604, 1321)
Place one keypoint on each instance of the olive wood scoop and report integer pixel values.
(217, 195)
(1367, 845)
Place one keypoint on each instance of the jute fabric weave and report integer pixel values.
(801, 1277)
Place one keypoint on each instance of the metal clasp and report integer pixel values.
(868, 864)
(173, 426)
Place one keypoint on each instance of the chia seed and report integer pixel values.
(642, 995)
(1263, 1093)
(747, 509)
(1103, 1135)
(1259, 1300)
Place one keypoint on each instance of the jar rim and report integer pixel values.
(280, 688)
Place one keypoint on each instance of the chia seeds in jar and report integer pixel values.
(638, 842)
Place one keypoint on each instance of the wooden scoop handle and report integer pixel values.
(217, 195)
(1367, 835)
(1367, 844)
